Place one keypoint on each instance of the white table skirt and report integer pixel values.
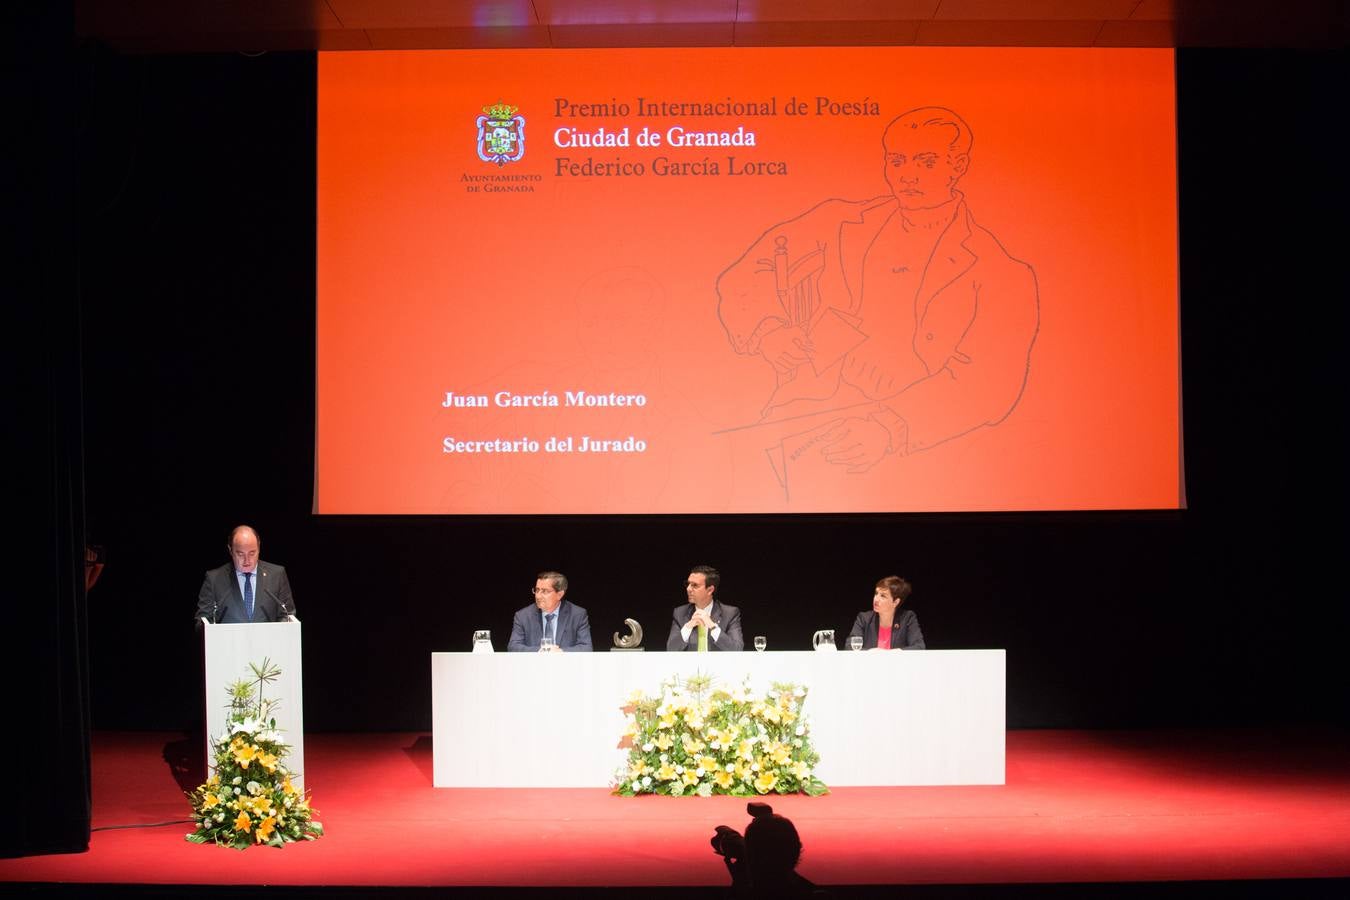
(919, 717)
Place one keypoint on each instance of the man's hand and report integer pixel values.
(786, 348)
(702, 617)
(554, 649)
(857, 443)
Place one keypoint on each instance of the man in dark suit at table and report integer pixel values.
(705, 623)
(552, 616)
(246, 589)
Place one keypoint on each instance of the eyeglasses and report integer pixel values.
(543, 591)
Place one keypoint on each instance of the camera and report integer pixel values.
(727, 841)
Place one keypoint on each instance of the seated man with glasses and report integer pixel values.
(550, 623)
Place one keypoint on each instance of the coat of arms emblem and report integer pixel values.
(501, 134)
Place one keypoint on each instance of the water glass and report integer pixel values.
(760, 643)
(545, 644)
(855, 642)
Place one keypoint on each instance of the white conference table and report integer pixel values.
(918, 717)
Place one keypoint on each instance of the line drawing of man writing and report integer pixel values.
(891, 324)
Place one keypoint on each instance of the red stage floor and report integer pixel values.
(1078, 807)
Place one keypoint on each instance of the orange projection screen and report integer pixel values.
(747, 281)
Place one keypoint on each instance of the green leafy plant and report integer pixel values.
(695, 738)
(250, 798)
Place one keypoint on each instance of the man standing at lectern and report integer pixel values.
(565, 623)
(246, 589)
(705, 623)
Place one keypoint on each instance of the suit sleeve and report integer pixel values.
(859, 627)
(582, 644)
(517, 642)
(675, 642)
(911, 637)
(206, 603)
(731, 638)
(285, 599)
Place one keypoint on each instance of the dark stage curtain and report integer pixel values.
(45, 699)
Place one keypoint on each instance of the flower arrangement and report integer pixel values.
(700, 740)
(249, 798)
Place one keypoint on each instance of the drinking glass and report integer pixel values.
(855, 642)
(545, 644)
(760, 643)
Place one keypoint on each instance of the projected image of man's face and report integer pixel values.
(922, 166)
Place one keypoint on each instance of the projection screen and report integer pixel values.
(752, 280)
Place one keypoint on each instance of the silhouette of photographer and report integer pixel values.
(763, 862)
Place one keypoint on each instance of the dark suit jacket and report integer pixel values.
(728, 619)
(221, 601)
(572, 630)
(905, 633)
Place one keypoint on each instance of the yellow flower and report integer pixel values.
(244, 754)
(213, 780)
(209, 801)
(243, 823)
(742, 769)
(801, 769)
(268, 760)
(707, 764)
(288, 788)
(638, 768)
(765, 782)
(692, 745)
(691, 776)
(664, 742)
(264, 829)
(780, 753)
(746, 749)
(667, 719)
(772, 714)
(789, 717)
(666, 772)
(723, 779)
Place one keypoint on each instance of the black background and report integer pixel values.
(196, 260)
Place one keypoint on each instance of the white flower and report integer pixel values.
(636, 785)
(731, 767)
(796, 742)
(646, 780)
(253, 788)
(220, 817)
(238, 779)
(664, 757)
(801, 730)
(679, 770)
(754, 767)
(236, 790)
(648, 747)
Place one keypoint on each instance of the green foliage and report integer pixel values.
(697, 739)
(250, 798)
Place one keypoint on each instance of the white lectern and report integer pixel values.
(229, 650)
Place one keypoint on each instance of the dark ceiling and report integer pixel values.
(176, 26)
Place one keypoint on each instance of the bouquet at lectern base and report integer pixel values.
(249, 798)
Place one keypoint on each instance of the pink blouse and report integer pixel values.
(883, 637)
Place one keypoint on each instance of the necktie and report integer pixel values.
(702, 639)
(248, 596)
(549, 632)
